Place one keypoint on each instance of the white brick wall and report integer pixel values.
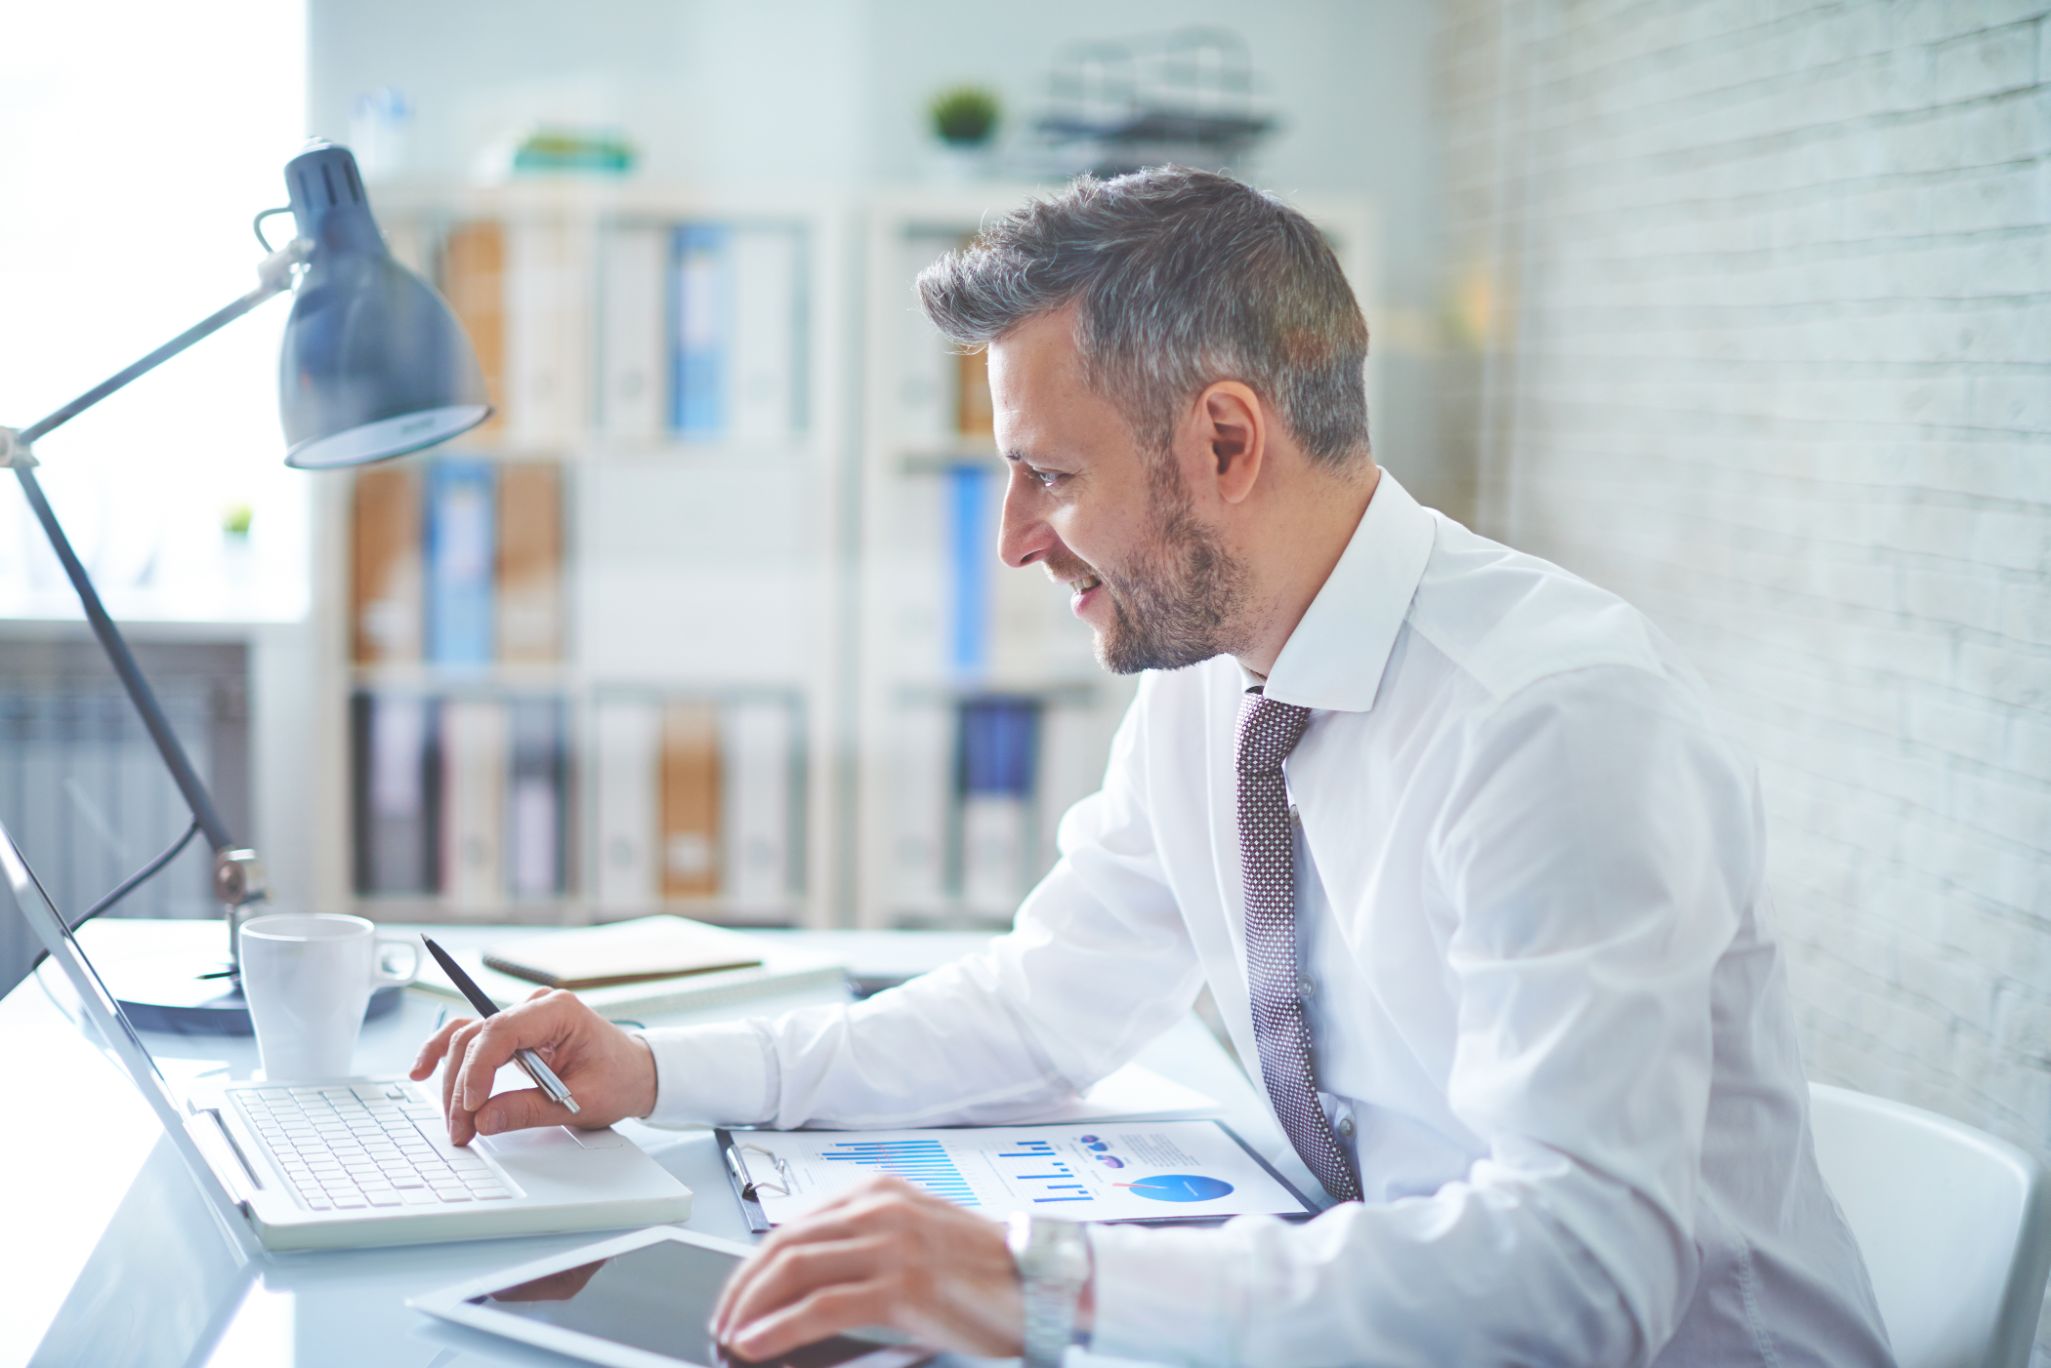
(1771, 356)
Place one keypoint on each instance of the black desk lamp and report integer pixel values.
(374, 365)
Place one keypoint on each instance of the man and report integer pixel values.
(1454, 838)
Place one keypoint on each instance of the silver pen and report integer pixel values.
(530, 1062)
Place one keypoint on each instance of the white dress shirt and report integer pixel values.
(1547, 1012)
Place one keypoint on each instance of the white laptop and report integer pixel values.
(342, 1163)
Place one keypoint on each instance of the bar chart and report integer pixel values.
(1035, 1168)
(922, 1162)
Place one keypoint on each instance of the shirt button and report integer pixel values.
(1346, 1126)
(1306, 986)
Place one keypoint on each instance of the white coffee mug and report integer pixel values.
(307, 978)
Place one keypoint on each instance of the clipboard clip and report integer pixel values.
(751, 1188)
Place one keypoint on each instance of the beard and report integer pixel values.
(1175, 601)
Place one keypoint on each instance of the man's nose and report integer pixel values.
(1022, 534)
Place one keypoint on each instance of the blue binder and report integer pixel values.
(700, 327)
(969, 553)
(462, 544)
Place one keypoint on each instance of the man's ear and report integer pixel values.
(1232, 425)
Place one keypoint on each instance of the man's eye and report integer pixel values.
(1045, 479)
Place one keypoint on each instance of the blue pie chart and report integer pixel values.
(1179, 1187)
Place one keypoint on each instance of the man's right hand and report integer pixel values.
(610, 1073)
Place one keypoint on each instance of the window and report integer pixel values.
(137, 140)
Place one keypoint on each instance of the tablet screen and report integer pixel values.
(657, 1298)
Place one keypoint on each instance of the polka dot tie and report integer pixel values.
(1268, 731)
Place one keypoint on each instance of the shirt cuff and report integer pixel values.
(1165, 1294)
(709, 1075)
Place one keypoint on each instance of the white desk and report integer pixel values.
(108, 1253)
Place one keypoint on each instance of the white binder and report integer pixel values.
(628, 740)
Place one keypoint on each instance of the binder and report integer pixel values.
(927, 372)
(396, 782)
(919, 807)
(1074, 748)
(767, 307)
(530, 563)
(411, 245)
(914, 568)
(971, 558)
(700, 328)
(460, 537)
(690, 800)
(473, 802)
(473, 279)
(537, 799)
(633, 400)
(973, 414)
(762, 805)
(627, 736)
(998, 741)
(545, 345)
(385, 589)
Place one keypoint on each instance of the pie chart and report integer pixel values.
(1178, 1187)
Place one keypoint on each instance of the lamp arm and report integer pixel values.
(274, 277)
(238, 878)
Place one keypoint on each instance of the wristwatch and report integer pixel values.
(1053, 1258)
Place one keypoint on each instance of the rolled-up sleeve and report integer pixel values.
(1595, 851)
(1098, 963)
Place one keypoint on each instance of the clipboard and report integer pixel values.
(753, 1170)
(745, 1189)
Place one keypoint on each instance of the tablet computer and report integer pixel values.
(635, 1301)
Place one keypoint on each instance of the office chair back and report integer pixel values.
(1955, 1226)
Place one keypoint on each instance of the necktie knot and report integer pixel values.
(1268, 731)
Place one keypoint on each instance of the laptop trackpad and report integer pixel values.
(540, 1143)
(524, 1144)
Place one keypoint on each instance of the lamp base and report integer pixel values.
(174, 994)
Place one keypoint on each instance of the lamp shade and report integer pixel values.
(374, 363)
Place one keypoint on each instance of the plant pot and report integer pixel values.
(961, 163)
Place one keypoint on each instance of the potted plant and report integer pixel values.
(964, 120)
(235, 550)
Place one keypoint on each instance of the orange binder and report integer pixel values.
(973, 416)
(385, 565)
(474, 282)
(690, 800)
(530, 563)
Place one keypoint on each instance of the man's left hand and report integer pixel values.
(886, 1254)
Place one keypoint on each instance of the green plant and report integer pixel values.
(965, 115)
(235, 519)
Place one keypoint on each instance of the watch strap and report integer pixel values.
(1053, 1258)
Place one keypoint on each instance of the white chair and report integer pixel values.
(1955, 1226)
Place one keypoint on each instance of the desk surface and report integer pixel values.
(110, 1254)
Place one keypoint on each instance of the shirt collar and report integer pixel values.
(1335, 658)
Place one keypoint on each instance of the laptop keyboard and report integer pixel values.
(370, 1145)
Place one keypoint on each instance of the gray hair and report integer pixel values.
(1183, 278)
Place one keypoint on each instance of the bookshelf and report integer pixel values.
(983, 712)
(582, 662)
(721, 580)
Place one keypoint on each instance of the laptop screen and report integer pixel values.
(100, 1008)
